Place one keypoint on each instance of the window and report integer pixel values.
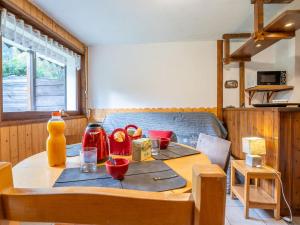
(50, 85)
(15, 67)
(33, 82)
(38, 74)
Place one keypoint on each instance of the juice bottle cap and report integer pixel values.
(56, 114)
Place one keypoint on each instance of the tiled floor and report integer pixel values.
(235, 215)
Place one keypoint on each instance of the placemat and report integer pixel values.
(73, 150)
(153, 176)
(174, 151)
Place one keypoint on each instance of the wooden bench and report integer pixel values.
(85, 205)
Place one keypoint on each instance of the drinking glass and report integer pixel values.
(88, 159)
(155, 146)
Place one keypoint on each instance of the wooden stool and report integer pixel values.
(253, 196)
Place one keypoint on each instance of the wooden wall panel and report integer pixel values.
(28, 142)
(34, 138)
(232, 122)
(243, 123)
(260, 123)
(285, 153)
(281, 129)
(18, 142)
(296, 160)
(290, 156)
(13, 144)
(4, 147)
(21, 142)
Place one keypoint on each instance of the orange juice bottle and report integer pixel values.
(56, 142)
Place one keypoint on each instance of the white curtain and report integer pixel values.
(17, 31)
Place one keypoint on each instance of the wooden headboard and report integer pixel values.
(99, 114)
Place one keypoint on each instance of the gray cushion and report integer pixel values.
(186, 125)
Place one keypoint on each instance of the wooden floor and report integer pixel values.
(235, 215)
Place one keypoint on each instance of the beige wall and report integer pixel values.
(181, 74)
(174, 74)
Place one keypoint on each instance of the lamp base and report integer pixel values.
(253, 160)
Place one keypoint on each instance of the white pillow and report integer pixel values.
(217, 149)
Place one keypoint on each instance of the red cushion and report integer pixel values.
(160, 133)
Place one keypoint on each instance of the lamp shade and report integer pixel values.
(254, 145)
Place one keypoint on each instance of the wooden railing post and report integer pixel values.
(258, 18)
(220, 79)
(209, 193)
(226, 51)
(242, 84)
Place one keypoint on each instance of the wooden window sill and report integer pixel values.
(38, 120)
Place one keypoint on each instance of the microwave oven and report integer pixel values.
(271, 77)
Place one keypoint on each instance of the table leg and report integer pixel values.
(232, 181)
(277, 198)
(246, 196)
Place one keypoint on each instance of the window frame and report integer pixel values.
(37, 115)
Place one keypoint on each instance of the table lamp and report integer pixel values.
(254, 147)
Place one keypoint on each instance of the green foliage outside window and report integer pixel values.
(15, 63)
(46, 69)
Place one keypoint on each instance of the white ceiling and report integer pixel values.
(144, 21)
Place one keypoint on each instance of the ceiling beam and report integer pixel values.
(240, 59)
(236, 36)
(226, 59)
(278, 35)
(258, 17)
(273, 36)
(274, 1)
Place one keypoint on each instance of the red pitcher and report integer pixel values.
(95, 136)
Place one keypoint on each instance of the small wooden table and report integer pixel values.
(34, 171)
(253, 196)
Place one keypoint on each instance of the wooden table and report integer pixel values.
(253, 196)
(34, 171)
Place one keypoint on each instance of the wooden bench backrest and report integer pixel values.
(205, 206)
